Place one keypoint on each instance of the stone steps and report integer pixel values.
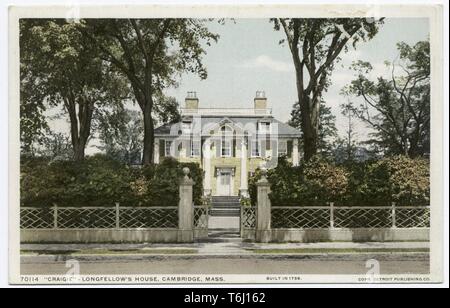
(223, 236)
(225, 206)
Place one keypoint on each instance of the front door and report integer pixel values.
(224, 183)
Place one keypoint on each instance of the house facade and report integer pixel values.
(229, 144)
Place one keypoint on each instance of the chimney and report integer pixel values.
(191, 101)
(260, 100)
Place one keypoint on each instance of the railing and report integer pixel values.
(99, 218)
(350, 217)
(227, 111)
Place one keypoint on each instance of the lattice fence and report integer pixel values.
(248, 217)
(303, 218)
(36, 218)
(350, 217)
(99, 218)
(148, 218)
(86, 218)
(363, 218)
(410, 217)
(201, 217)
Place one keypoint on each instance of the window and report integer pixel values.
(256, 151)
(264, 128)
(282, 148)
(168, 147)
(226, 148)
(195, 148)
(227, 141)
(186, 127)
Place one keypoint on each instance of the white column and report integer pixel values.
(207, 167)
(295, 155)
(244, 173)
(156, 151)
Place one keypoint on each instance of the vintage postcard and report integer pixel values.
(271, 144)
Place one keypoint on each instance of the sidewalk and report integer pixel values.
(233, 247)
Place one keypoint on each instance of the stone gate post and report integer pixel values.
(263, 213)
(186, 209)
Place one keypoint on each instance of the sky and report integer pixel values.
(248, 58)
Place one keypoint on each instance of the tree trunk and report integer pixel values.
(309, 127)
(78, 151)
(149, 137)
(80, 125)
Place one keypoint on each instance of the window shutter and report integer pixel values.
(290, 147)
(179, 148)
(274, 148)
(218, 144)
(249, 148)
(188, 147)
(263, 148)
(162, 148)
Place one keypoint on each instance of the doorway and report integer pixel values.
(225, 183)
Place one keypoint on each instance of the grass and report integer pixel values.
(112, 252)
(338, 250)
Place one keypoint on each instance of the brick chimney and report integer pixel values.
(260, 100)
(191, 101)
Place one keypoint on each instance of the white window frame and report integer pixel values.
(267, 128)
(230, 147)
(284, 142)
(195, 152)
(168, 151)
(258, 147)
(186, 127)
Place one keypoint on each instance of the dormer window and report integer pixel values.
(264, 128)
(186, 127)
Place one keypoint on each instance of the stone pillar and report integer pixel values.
(156, 151)
(186, 209)
(207, 167)
(295, 154)
(263, 216)
(244, 173)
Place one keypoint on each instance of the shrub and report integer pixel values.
(324, 181)
(399, 179)
(314, 183)
(97, 181)
(103, 181)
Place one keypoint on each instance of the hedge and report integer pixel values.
(102, 181)
(397, 179)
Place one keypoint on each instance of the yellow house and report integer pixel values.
(229, 144)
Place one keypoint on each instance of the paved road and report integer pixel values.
(230, 266)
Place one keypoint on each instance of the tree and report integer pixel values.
(33, 124)
(150, 53)
(327, 127)
(347, 145)
(66, 71)
(315, 45)
(55, 146)
(121, 133)
(166, 110)
(398, 108)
